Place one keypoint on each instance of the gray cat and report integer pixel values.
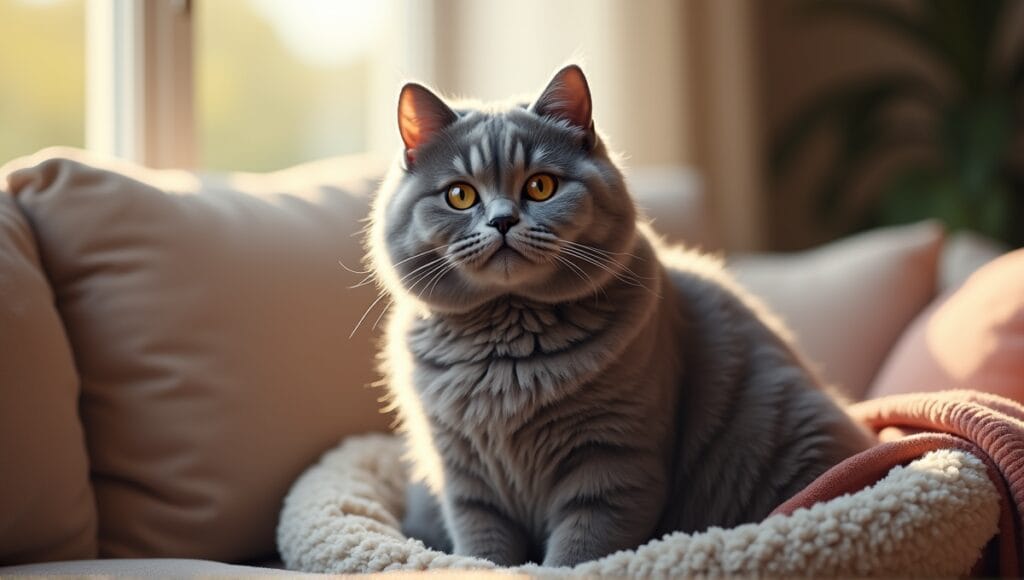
(568, 386)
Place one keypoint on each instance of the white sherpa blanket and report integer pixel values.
(932, 518)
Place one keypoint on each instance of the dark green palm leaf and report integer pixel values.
(888, 18)
(853, 106)
(1015, 78)
(970, 176)
(966, 30)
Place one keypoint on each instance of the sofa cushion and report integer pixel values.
(672, 199)
(847, 302)
(210, 324)
(972, 339)
(180, 568)
(963, 254)
(47, 510)
(148, 567)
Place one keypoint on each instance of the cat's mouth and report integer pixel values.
(504, 261)
(500, 252)
(505, 258)
(505, 251)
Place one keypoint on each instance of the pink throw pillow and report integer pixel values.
(971, 339)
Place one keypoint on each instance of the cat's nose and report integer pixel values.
(503, 223)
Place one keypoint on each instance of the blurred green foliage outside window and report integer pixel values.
(278, 82)
(282, 81)
(42, 75)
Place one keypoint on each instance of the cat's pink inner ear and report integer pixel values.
(567, 97)
(421, 115)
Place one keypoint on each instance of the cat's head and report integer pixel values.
(522, 200)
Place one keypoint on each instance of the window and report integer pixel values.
(42, 75)
(284, 82)
(211, 84)
(264, 84)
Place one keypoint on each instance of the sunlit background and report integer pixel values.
(284, 82)
(801, 123)
(277, 82)
(42, 75)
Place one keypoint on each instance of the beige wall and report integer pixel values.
(672, 82)
(723, 84)
(497, 49)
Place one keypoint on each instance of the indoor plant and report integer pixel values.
(972, 173)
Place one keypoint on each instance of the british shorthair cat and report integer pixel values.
(568, 385)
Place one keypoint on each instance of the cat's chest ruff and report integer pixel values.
(511, 350)
(509, 328)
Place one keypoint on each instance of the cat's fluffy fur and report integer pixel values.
(570, 387)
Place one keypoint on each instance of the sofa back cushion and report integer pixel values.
(848, 302)
(47, 510)
(971, 339)
(210, 324)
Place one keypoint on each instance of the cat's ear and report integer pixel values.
(421, 115)
(567, 97)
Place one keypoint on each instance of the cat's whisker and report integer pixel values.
(604, 265)
(548, 235)
(433, 262)
(381, 315)
(568, 259)
(630, 279)
(468, 255)
(550, 251)
(434, 274)
(438, 277)
(371, 275)
(441, 249)
(383, 294)
(364, 282)
(599, 250)
(606, 255)
(425, 276)
(582, 274)
(380, 297)
(356, 272)
(536, 248)
(439, 267)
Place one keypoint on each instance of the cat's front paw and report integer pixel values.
(504, 558)
(567, 553)
(566, 559)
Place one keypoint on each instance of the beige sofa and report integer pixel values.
(175, 351)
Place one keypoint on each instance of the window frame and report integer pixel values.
(139, 81)
(140, 78)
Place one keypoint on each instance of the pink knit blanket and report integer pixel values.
(910, 425)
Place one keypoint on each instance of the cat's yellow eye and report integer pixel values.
(461, 195)
(540, 187)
